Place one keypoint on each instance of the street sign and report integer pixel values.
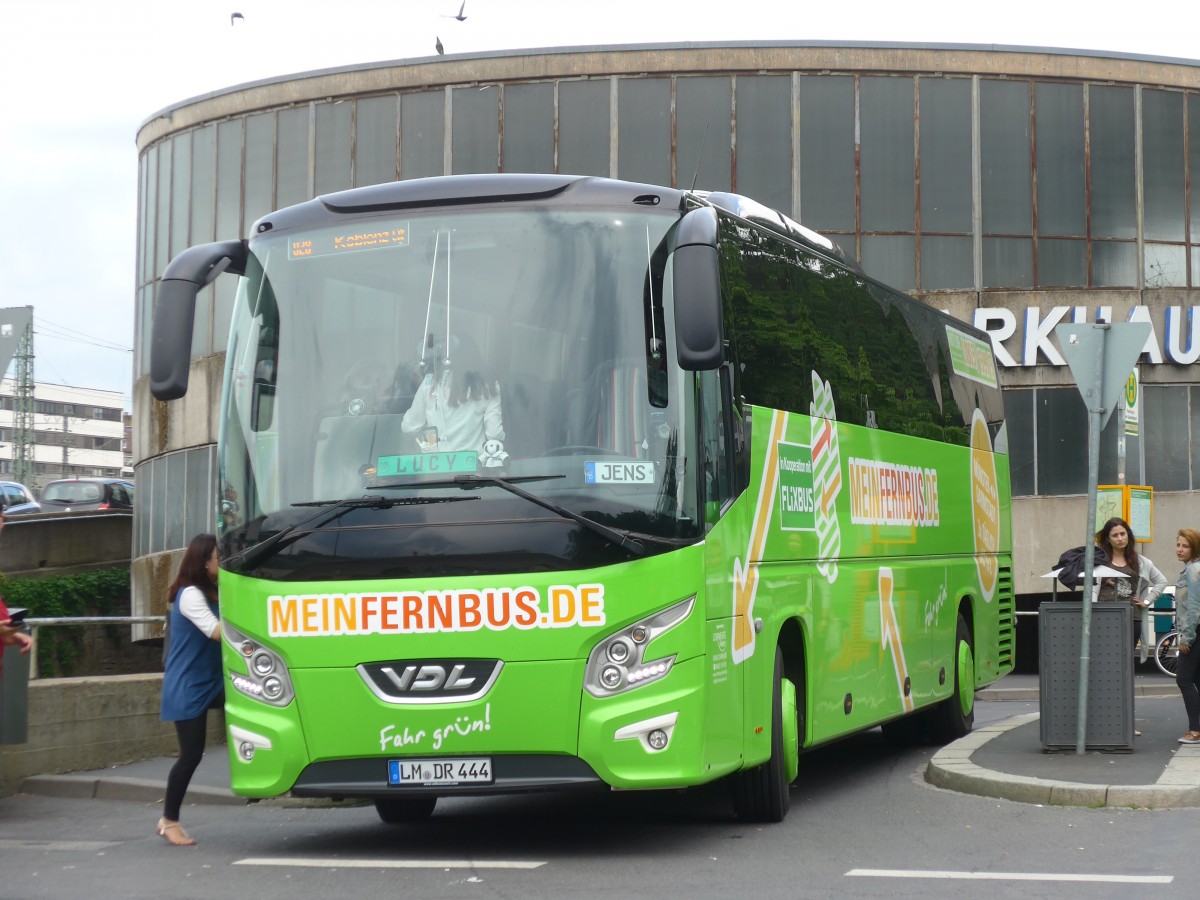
(1132, 406)
(13, 322)
(1101, 357)
(1132, 502)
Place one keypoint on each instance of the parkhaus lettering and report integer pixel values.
(1174, 337)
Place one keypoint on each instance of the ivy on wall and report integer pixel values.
(103, 593)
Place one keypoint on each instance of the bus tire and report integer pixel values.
(404, 810)
(763, 794)
(954, 717)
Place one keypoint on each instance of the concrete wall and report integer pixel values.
(66, 543)
(79, 724)
(149, 578)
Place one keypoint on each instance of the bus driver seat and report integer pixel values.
(612, 412)
(345, 447)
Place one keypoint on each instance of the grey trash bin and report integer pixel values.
(1110, 676)
(14, 697)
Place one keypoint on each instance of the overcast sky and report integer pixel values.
(80, 77)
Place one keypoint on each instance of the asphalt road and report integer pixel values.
(863, 824)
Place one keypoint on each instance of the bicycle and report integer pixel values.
(1166, 653)
(1166, 648)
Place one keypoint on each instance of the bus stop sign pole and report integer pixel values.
(1101, 356)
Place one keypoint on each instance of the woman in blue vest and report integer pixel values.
(192, 683)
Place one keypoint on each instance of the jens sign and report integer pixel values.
(1175, 338)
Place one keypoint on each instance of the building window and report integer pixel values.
(1048, 433)
(174, 499)
(888, 188)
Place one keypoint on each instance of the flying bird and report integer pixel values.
(233, 17)
(438, 46)
(461, 17)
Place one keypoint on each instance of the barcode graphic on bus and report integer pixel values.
(827, 477)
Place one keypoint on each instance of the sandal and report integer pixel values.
(1192, 737)
(173, 833)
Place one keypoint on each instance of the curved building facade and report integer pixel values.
(1017, 188)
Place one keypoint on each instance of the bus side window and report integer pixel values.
(715, 444)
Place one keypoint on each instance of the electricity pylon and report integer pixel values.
(23, 437)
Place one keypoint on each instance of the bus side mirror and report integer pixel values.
(696, 272)
(175, 309)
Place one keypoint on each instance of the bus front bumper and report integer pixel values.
(648, 738)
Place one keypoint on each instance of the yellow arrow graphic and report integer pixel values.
(745, 576)
(890, 631)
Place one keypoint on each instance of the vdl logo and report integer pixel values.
(430, 680)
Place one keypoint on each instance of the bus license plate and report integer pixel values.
(426, 772)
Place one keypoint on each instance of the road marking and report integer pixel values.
(318, 863)
(11, 844)
(1009, 876)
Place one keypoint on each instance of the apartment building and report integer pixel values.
(76, 431)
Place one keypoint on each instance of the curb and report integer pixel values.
(1031, 694)
(116, 787)
(147, 790)
(951, 768)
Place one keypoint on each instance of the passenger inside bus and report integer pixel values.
(457, 406)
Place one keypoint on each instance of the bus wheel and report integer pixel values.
(405, 811)
(954, 717)
(763, 794)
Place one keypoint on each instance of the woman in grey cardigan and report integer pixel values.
(1143, 582)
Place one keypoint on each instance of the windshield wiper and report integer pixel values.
(508, 483)
(330, 511)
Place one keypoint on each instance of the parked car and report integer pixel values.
(16, 499)
(73, 494)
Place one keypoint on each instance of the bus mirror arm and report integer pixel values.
(175, 310)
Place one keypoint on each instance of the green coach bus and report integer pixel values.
(541, 482)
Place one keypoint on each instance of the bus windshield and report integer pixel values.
(428, 355)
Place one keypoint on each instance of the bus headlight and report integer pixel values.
(264, 677)
(618, 651)
(618, 663)
(272, 688)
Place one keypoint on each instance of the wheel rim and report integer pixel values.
(1167, 653)
(966, 678)
(791, 730)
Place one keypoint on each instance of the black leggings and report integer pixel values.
(191, 733)
(1187, 676)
